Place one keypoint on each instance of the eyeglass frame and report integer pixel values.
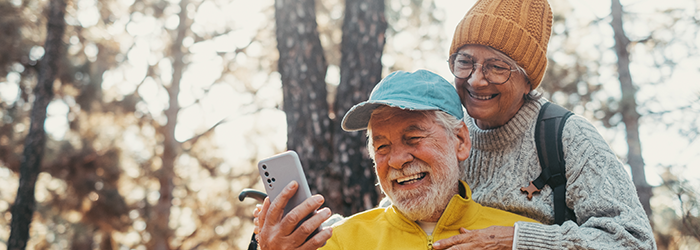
(483, 71)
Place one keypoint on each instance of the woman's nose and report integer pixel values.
(477, 78)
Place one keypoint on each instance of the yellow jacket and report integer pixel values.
(387, 228)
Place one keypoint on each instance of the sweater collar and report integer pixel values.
(498, 138)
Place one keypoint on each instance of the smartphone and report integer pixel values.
(277, 171)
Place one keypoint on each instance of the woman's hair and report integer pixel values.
(532, 95)
(448, 122)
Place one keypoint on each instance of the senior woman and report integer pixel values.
(498, 57)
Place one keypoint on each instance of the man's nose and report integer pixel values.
(399, 157)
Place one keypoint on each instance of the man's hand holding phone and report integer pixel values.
(280, 231)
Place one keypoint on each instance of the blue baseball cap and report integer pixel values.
(420, 90)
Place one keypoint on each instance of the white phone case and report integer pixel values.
(277, 171)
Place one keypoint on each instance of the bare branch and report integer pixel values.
(189, 143)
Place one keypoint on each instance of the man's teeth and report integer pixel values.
(410, 179)
(483, 97)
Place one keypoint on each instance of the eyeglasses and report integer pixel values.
(494, 70)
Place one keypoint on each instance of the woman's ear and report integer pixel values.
(529, 84)
(464, 143)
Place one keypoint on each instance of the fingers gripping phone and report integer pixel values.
(279, 170)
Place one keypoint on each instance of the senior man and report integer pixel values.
(416, 138)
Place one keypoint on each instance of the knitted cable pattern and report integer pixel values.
(599, 190)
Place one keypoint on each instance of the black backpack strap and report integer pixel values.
(548, 132)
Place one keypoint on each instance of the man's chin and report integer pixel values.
(416, 208)
(420, 204)
(409, 203)
(409, 198)
(418, 212)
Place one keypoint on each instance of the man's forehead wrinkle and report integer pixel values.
(408, 129)
(414, 127)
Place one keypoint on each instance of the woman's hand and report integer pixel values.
(494, 237)
(278, 232)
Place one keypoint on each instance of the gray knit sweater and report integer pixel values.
(600, 192)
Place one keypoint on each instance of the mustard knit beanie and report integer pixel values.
(518, 28)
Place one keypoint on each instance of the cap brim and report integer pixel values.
(357, 118)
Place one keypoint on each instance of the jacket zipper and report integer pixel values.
(430, 242)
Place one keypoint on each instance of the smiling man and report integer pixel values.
(417, 138)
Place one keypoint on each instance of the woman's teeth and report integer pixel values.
(482, 97)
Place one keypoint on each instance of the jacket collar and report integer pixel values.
(461, 211)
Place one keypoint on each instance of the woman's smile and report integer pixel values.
(481, 96)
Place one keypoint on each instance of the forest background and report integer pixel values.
(159, 110)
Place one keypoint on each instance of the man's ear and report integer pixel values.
(464, 143)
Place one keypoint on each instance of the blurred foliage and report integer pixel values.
(103, 158)
(677, 217)
(100, 172)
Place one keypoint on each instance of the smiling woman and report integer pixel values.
(502, 120)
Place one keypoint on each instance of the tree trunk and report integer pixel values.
(628, 109)
(363, 41)
(35, 142)
(302, 66)
(171, 148)
(336, 162)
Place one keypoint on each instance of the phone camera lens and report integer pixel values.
(273, 179)
(267, 174)
(269, 181)
(264, 166)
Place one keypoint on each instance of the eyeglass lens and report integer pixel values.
(494, 70)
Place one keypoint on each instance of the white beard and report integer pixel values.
(428, 201)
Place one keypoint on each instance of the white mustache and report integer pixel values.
(409, 169)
